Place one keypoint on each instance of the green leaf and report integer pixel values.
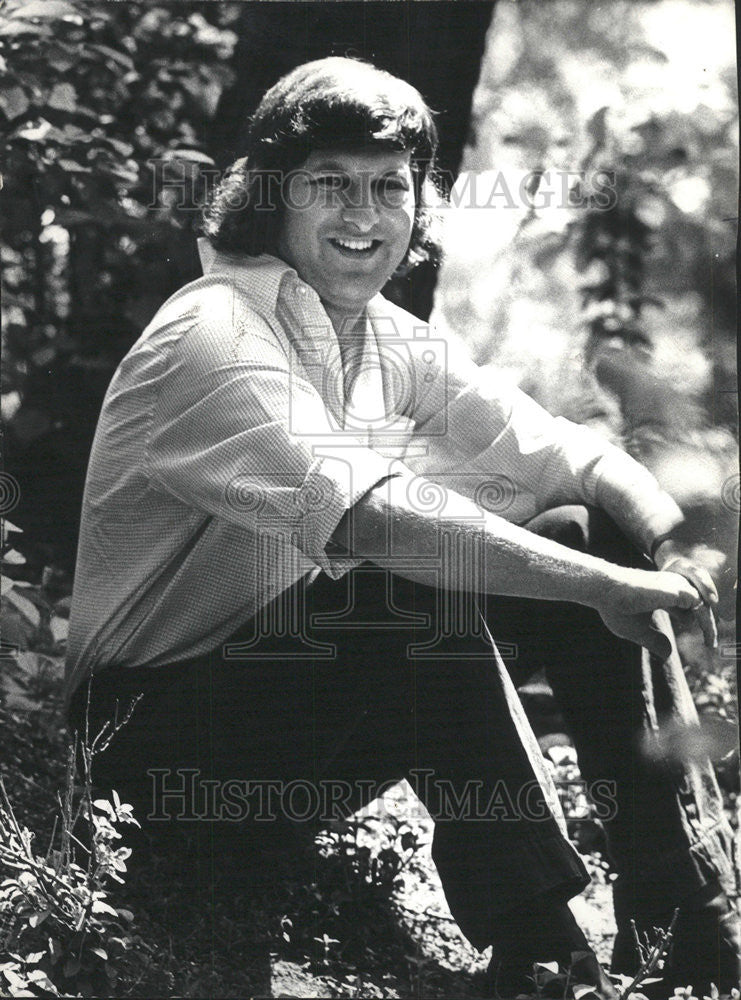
(61, 58)
(37, 133)
(20, 991)
(71, 967)
(38, 918)
(25, 607)
(73, 167)
(122, 148)
(11, 28)
(59, 628)
(14, 102)
(105, 807)
(582, 991)
(63, 97)
(44, 356)
(193, 155)
(112, 54)
(99, 906)
(48, 10)
(128, 173)
(36, 975)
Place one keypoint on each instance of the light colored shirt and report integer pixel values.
(231, 442)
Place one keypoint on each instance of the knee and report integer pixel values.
(608, 541)
(568, 525)
(587, 529)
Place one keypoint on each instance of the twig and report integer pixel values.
(103, 740)
(651, 961)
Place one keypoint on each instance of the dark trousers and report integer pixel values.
(342, 686)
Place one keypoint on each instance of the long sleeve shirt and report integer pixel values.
(232, 441)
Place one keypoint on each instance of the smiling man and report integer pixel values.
(351, 225)
(259, 556)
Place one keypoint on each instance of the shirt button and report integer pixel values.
(301, 289)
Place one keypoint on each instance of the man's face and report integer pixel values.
(347, 222)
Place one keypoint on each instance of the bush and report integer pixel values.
(60, 935)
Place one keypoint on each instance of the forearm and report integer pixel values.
(470, 550)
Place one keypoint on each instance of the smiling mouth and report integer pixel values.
(355, 247)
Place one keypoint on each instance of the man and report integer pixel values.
(290, 484)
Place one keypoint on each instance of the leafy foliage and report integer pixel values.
(33, 625)
(350, 907)
(59, 933)
(103, 113)
(636, 289)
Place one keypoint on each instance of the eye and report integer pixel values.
(393, 184)
(392, 191)
(331, 182)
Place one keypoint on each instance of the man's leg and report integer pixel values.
(372, 712)
(440, 700)
(667, 832)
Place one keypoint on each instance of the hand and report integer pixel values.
(627, 605)
(669, 558)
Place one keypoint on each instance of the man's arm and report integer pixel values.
(492, 429)
(649, 516)
(630, 494)
(385, 527)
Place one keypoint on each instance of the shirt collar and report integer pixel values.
(270, 281)
(271, 272)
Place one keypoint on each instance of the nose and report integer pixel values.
(358, 205)
(361, 217)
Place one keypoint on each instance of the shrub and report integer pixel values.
(60, 935)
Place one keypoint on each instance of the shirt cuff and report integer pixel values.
(333, 484)
(630, 494)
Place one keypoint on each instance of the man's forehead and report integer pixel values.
(351, 161)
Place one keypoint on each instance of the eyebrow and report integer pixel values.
(342, 169)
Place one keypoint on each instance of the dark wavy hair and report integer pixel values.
(329, 103)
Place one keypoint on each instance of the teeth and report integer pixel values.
(355, 244)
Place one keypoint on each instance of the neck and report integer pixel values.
(345, 322)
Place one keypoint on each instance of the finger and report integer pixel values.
(657, 643)
(706, 620)
(641, 631)
(697, 576)
(701, 579)
(687, 595)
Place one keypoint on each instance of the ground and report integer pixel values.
(314, 922)
(356, 912)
